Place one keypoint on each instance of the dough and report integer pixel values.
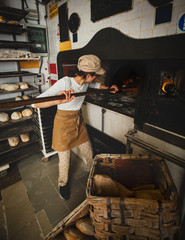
(13, 141)
(23, 85)
(85, 226)
(105, 186)
(4, 117)
(18, 98)
(9, 87)
(27, 112)
(25, 137)
(25, 97)
(16, 115)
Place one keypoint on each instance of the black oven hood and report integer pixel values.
(159, 61)
(111, 44)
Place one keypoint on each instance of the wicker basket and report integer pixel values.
(79, 212)
(134, 218)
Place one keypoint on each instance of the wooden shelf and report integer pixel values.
(16, 74)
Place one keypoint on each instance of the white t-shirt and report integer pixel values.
(67, 83)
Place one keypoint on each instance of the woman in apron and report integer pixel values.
(69, 129)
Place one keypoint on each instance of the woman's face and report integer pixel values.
(89, 78)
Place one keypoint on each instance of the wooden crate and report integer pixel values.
(134, 218)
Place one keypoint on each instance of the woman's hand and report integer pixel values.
(68, 96)
(114, 89)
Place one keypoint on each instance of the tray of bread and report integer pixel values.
(16, 115)
(7, 88)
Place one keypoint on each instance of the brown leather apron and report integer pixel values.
(69, 130)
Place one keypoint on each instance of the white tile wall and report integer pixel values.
(137, 23)
(147, 23)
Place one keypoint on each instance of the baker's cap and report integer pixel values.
(90, 63)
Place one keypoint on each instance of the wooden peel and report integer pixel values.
(14, 104)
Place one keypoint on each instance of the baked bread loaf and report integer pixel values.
(9, 86)
(2, 19)
(85, 226)
(25, 97)
(25, 137)
(104, 185)
(4, 117)
(13, 22)
(16, 115)
(149, 194)
(18, 98)
(72, 233)
(13, 141)
(23, 85)
(27, 112)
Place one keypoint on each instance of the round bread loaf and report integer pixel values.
(18, 98)
(25, 97)
(72, 233)
(16, 115)
(23, 85)
(9, 87)
(4, 117)
(13, 141)
(85, 226)
(27, 112)
(25, 137)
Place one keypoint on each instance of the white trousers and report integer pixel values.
(64, 161)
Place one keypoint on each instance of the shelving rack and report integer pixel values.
(11, 128)
(44, 122)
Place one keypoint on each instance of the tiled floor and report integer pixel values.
(30, 204)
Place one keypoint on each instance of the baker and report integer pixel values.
(69, 129)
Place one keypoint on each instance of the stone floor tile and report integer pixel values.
(54, 207)
(43, 222)
(3, 232)
(31, 162)
(14, 194)
(74, 185)
(40, 190)
(19, 216)
(40, 199)
(83, 179)
(29, 232)
(52, 174)
(12, 177)
(32, 176)
(76, 198)
(2, 219)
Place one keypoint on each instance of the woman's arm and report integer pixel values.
(102, 86)
(56, 102)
